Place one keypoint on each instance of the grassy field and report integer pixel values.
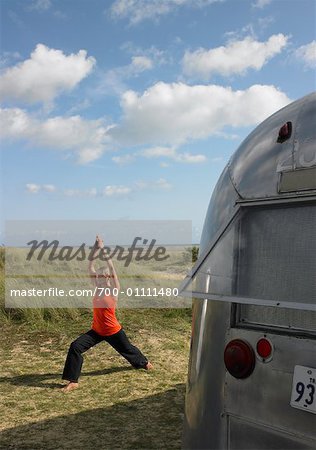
(44, 273)
(115, 407)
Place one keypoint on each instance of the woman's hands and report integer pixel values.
(98, 245)
(99, 242)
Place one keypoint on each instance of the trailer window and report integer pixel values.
(277, 254)
(266, 257)
(267, 317)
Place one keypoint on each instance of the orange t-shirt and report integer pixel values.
(104, 321)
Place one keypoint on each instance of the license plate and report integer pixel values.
(304, 389)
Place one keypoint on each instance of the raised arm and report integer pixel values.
(116, 283)
(96, 248)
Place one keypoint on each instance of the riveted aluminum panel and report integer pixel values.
(221, 206)
(245, 435)
(255, 166)
(212, 399)
(264, 397)
(204, 426)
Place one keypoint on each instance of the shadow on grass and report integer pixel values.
(153, 422)
(40, 380)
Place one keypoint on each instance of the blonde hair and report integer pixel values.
(103, 271)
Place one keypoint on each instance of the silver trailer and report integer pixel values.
(252, 368)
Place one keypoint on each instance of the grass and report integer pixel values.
(115, 407)
(42, 274)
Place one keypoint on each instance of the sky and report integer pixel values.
(130, 109)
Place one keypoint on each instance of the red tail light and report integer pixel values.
(285, 132)
(264, 348)
(239, 358)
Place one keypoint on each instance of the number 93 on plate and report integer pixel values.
(304, 389)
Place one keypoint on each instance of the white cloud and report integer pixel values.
(86, 138)
(189, 158)
(90, 153)
(79, 106)
(112, 190)
(307, 53)
(141, 63)
(171, 114)
(261, 3)
(161, 118)
(161, 183)
(40, 5)
(59, 14)
(35, 188)
(92, 192)
(170, 152)
(138, 10)
(160, 152)
(157, 56)
(124, 159)
(234, 58)
(217, 159)
(138, 64)
(46, 74)
(49, 188)
(156, 152)
(257, 26)
(7, 58)
(112, 81)
(120, 190)
(265, 22)
(240, 33)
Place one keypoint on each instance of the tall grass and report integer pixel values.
(56, 318)
(36, 318)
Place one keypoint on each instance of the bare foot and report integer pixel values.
(149, 366)
(70, 387)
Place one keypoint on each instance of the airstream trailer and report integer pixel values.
(252, 368)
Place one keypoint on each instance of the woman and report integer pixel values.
(105, 326)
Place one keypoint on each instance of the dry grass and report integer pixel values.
(115, 407)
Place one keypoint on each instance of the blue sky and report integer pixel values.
(130, 109)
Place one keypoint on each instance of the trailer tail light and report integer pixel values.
(239, 358)
(264, 349)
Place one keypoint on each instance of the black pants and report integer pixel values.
(119, 342)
